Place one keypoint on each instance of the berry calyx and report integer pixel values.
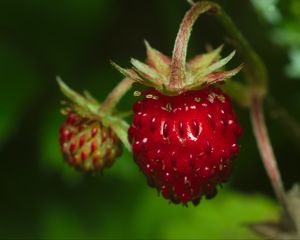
(184, 144)
(87, 145)
(173, 76)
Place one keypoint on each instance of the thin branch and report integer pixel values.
(178, 65)
(116, 94)
(267, 154)
(257, 78)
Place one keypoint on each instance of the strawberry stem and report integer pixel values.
(255, 68)
(267, 154)
(115, 95)
(256, 74)
(178, 65)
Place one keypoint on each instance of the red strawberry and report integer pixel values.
(184, 144)
(184, 133)
(88, 145)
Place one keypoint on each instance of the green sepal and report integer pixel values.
(157, 60)
(87, 106)
(83, 105)
(120, 127)
(203, 70)
(202, 61)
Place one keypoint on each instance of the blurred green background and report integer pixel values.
(41, 197)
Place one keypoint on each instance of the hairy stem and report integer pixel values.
(265, 148)
(268, 157)
(256, 70)
(115, 95)
(178, 66)
(256, 74)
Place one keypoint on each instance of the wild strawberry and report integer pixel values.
(184, 132)
(91, 138)
(184, 144)
(88, 145)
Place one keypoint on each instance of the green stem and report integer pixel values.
(256, 70)
(267, 153)
(178, 65)
(115, 95)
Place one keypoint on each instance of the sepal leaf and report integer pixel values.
(202, 61)
(157, 60)
(79, 102)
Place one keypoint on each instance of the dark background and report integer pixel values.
(41, 197)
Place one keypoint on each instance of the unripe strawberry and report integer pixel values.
(93, 134)
(87, 145)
